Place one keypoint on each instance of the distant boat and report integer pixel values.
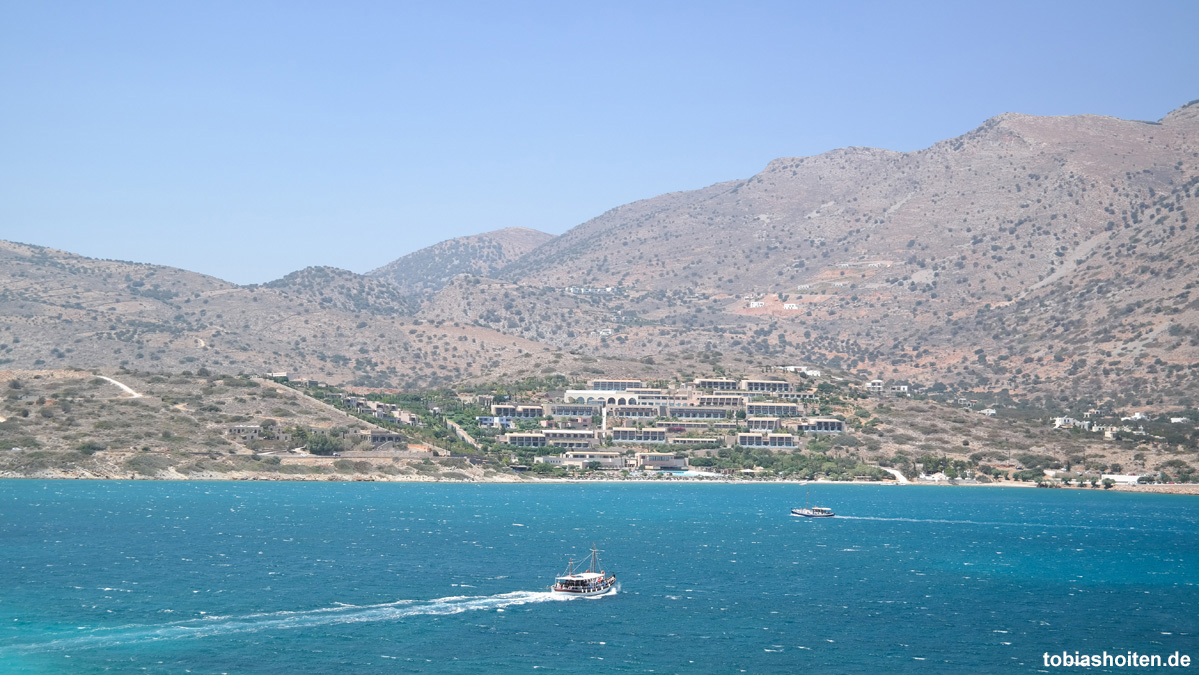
(813, 512)
(592, 582)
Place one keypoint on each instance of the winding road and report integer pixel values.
(124, 387)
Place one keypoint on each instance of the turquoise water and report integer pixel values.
(415, 578)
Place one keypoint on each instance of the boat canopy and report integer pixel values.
(582, 576)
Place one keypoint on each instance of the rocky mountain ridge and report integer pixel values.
(1029, 257)
(59, 310)
(979, 262)
(427, 271)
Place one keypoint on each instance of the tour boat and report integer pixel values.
(813, 512)
(589, 583)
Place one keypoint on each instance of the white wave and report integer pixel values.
(978, 522)
(98, 638)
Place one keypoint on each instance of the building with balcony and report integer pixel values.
(517, 411)
(600, 397)
(616, 385)
(572, 409)
(582, 458)
(637, 412)
(715, 384)
(631, 435)
(677, 425)
(560, 438)
(378, 436)
(767, 440)
(720, 401)
(697, 413)
(659, 461)
(524, 439)
(797, 395)
(570, 438)
(772, 409)
(496, 422)
(694, 440)
(668, 400)
(821, 425)
(762, 423)
(765, 385)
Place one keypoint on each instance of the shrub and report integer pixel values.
(90, 447)
(148, 465)
(1029, 475)
(1035, 461)
(324, 444)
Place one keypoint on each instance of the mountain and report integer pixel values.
(430, 269)
(59, 310)
(1033, 257)
(345, 290)
(1033, 254)
(1057, 175)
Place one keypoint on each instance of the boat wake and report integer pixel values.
(98, 638)
(996, 524)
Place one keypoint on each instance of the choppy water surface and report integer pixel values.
(334, 577)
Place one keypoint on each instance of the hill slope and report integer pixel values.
(342, 289)
(1031, 253)
(429, 269)
(1033, 256)
(58, 309)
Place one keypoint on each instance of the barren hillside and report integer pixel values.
(341, 289)
(1032, 257)
(58, 309)
(1030, 254)
(429, 269)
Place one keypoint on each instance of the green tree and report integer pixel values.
(90, 447)
(324, 444)
(299, 434)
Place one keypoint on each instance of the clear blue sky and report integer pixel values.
(249, 139)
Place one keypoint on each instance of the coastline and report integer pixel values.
(513, 479)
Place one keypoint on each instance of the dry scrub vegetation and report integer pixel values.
(72, 423)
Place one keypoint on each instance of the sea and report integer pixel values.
(349, 577)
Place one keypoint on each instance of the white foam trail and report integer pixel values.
(977, 522)
(285, 620)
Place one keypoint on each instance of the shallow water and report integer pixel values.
(328, 577)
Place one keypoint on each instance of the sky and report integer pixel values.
(249, 139)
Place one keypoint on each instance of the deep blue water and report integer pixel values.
(365, 577)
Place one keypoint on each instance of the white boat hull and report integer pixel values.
(608, 587)
(802, 513)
